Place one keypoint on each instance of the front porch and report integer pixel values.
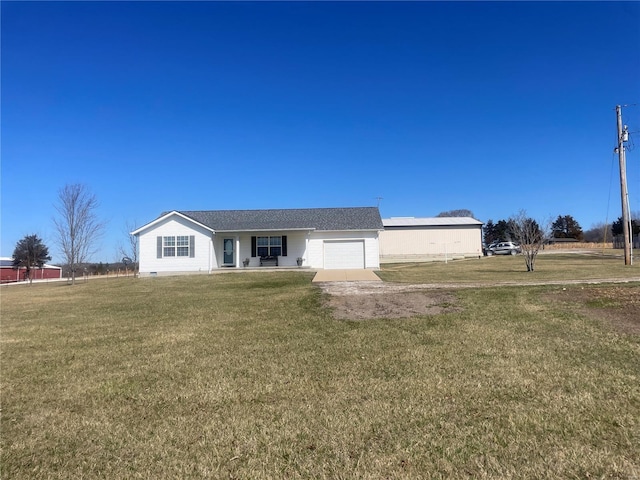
(259, 250)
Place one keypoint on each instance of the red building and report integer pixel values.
(10, 274)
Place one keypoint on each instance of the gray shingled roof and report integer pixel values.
(354, 218)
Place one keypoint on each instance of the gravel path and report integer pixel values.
(365, 288)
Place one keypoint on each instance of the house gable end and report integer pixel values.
(164, 217)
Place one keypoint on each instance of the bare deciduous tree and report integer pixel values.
(130, 249)
(598, 233)
(462, 212)
(77, 225)
(530, 235)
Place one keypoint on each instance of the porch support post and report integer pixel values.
(238, 251)
(211, 251)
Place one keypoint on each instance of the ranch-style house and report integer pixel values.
(203, 241)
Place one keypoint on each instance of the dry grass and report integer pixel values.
(556, 267)
(249, 376)
(603, 248)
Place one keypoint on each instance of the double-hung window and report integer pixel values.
(269, 246)
(176, 246)
(182, 243)
(169, 246)
(275, 246)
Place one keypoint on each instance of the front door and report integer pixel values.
(229, 257)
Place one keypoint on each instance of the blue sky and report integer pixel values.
(156, 106)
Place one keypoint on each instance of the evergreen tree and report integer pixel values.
(566, 227)
(618, 229)
(488, 232)
(30, 252)
(495, 232)
(503, 231)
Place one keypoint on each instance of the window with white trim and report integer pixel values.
(168, 246)
(269, 246)
(176, 246)
(182, 243)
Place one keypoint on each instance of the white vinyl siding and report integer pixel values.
(191, 246)
(177, 246)
(296, 247)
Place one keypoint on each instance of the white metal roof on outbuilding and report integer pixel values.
(428, 221)
(8, 262)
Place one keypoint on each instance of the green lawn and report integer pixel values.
(249, 376)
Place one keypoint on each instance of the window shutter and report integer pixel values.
(159, 247)
(192, 246)
(253, 246)
(284, 245)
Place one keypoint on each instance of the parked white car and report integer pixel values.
(504, 248)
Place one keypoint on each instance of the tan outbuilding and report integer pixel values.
(410, 239)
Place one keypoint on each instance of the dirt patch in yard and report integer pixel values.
(618, 306)
(366, 300)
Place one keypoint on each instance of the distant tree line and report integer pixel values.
(494, 232)
(100, 268)
(618, 229)
(564, 227)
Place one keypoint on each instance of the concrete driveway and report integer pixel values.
(346, 276)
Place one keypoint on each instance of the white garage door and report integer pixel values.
(344, 255)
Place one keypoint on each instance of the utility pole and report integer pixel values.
(623, 136)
